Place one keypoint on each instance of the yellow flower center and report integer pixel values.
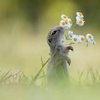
(63, 23)
(80, 21)
(66, 22)
(89, 36)
(65, 16)
(75, 39)
(82, 38)
(81, 14)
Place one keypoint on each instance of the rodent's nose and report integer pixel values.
(61, 28)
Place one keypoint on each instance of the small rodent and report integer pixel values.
(57, 65)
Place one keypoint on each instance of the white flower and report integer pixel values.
(69, 23)
(75, 39)
(78, 18)
(90, 38)
(70, 34)
(80, 21)
(66, 24)
(62, 23)
(81, 38)
(91, 41)
(64, 17)
(79, 14)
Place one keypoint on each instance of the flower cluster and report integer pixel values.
(66, 22)
(80, 19)
(89, 38)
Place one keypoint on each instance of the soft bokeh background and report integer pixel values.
(24, 25)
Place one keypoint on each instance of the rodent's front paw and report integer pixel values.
(70, 48)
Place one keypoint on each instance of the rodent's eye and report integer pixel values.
(54, 32)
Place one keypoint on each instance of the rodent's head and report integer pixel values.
(55, 36)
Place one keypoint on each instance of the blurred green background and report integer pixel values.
(24, 25)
